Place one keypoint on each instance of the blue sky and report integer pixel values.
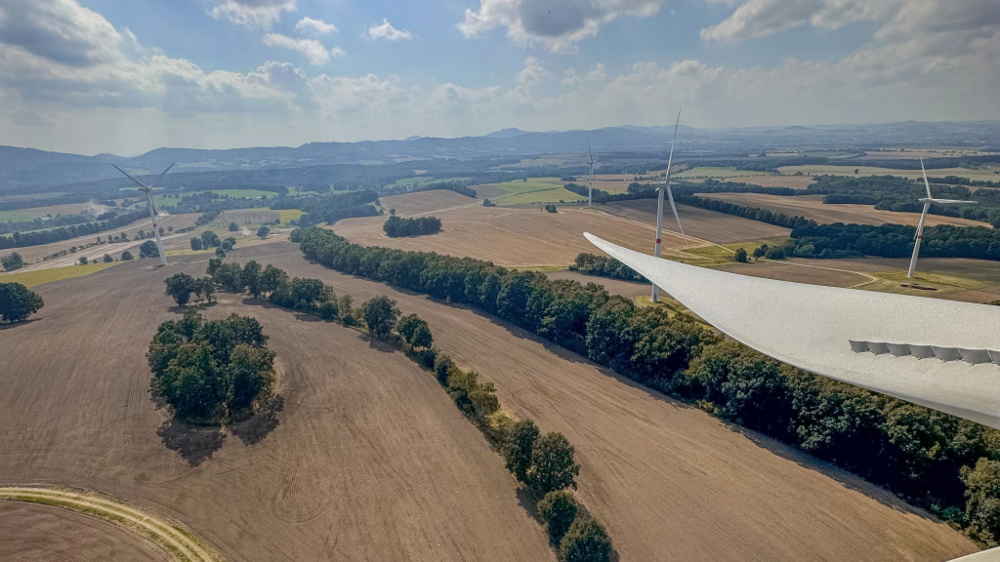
(126, 76)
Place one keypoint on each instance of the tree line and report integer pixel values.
(331, 208)
(916, 452)
(36, 238)
(396, 226)
(39, 223)
(605, 266)
(545, 463)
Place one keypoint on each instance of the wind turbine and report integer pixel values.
(927, 201)
(590, 185)
(665, 184)
(148, 190)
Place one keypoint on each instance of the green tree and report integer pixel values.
(196, 243)
(741, 255)
(263, 231)
(422, 337)
(228, 275)
(12, 262)
(250, 278)
(407, 325)
(233, 227)
(206, 287)
(380, 314)
(272, 278)
(127, 256)
(442, 367)
(210, 239)
(180, 286)
(552, 465)
(148, 249)
(982, 494)
(17, 302)
(585, 541)
(108, 259)
(213, 264)
(558, 509)
(251, 370)
(519, 446)
(187, 383)
(83, 260)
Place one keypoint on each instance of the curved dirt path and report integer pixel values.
(179, 542)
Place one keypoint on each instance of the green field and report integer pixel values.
(820, 169)
(715, 173)
(18, 216)
(535, 190)
(289, 215)
(37, 277)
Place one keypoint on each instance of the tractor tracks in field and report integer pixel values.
(180, 543)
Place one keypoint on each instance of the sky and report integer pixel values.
(128, 76)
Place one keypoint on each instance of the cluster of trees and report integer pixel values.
(331, 208)
(211, 371)
(396, 226)
(763, 215)
(462, 188)
(17, 302)
(551, 208)
(34, 238)
(148, 249)
(12, 262)
(892, 241)
(209, 239)
(916, 452)
(180, 287)
(605, 266)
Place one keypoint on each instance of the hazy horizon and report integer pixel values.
(109, 76)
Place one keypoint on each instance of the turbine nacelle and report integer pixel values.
(153, 213)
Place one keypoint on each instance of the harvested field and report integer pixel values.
(37, 533)
(812, 207)
(794, 182)
(33, 253)
(534, 190)
(364, 456)
(820, 169)
(427, 202)
(627, 289)
(35, 212)
(668, 480)
(247, 216)
(816, 272)
(717, 173)
(700, 223)
(515, 237)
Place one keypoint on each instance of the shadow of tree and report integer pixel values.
(254, 429)
(195, 444)
(12, 325)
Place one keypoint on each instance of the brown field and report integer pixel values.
(812, 207)
(366, 458)
(33, 253)
(36, 533)
(794, 182)
(516, 237)
(626, 289)
(426, 202)
(246, 216)
(814, 272)
(699, 223)
(669, 481)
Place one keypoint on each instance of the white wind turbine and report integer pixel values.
(148, 190)
(927, 201)
(590, 185)
(665, 184)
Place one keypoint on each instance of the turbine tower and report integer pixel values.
(665, 184)
(590, 185)
(927, 201)
(148, 190)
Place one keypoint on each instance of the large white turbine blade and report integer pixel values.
(160, 177)
(951, 202)
(670, 161)
(137, 182)
(927, 184)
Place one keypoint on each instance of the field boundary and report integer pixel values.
(180, 543)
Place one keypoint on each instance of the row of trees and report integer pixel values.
(396, 226)
(605, 266)
(211, 371)
(180, 287)
(916, 452)
(331, 208)
(17, 302)
(35, 238)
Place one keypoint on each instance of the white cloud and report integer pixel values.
(556, 25)
(386, 31)
(59, 30)
(313, 50)
(310, 25)
(572, 79)
(251, 13)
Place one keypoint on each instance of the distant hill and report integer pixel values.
(21, 168)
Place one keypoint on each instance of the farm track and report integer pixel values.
(179, 542)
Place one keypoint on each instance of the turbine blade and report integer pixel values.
(591, 152)
(160, 177)
(139, 183)
(670, 161)
(951, 202)
(927, 184)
